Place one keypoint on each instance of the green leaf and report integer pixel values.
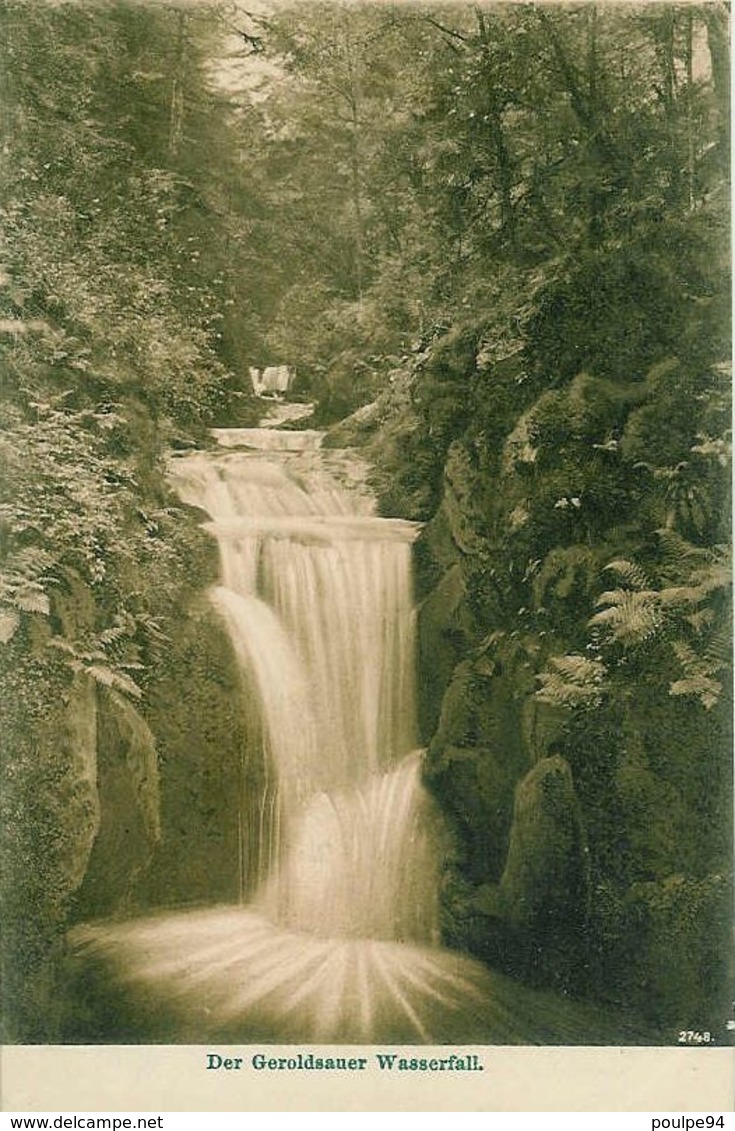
(705, 689)
(631, 573)
(574, 681)
(631, 617)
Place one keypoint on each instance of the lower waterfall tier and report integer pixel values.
(361, 862)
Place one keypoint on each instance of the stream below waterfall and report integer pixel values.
(336, 938)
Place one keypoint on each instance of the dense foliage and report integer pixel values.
(114, 294)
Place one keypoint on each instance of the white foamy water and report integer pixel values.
(267, 440)
(283, 412)
(232, 973)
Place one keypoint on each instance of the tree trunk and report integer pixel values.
(595, 199)
(690, 107)
(176, 117)
(354, 105)
(498, 139)
(716, 17)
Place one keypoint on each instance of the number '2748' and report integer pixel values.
(694, 1037)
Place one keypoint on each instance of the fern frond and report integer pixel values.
(720, 647)
(718, 575)
(576, 681)
(705, 689)
(564, 570)
(631, 617)
(684, 653)
(630, 572)
(33, 600)
(9, 622)
(100, 673)
(717, 448)
(681, 595)
(578, 668)
(617, 596)
(700, 619)
(607, 616)
(697, 664)
(676, 551)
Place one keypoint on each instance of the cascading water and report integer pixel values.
(316, 594)
(337, 936)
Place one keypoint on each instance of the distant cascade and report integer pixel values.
(316, 595)
(272, 379)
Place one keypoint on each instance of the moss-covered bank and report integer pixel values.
(573, 586)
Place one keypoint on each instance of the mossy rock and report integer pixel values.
(444, 632)
(199, 719)
(543, 892)
(194, 711)
(654, 820)
(475, 789)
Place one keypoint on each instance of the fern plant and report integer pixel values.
(573, 682)
(686, 612)
(632, 615)
(690, 612)
(699, 610)
(565, 570)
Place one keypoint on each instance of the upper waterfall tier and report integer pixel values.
(310, 566)
(268, 439)
(319, 528)
(269, 484)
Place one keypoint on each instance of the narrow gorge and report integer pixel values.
(341, 850)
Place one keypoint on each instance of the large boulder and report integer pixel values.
(543, 893)
(198, 716)
(193, 745)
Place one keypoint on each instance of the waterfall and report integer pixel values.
(316, 595)
(336, 939)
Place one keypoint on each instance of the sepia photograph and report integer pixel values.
(365, 591)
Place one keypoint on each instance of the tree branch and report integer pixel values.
(442, 28)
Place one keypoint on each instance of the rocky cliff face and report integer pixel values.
(189, 851)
